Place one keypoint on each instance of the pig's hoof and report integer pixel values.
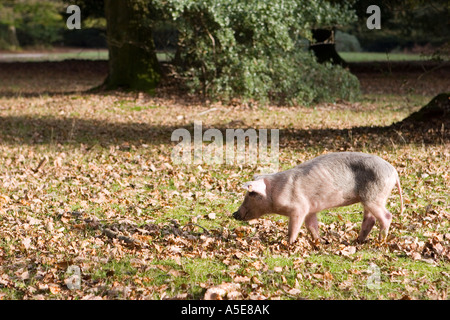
(381, 243)
(359, 241)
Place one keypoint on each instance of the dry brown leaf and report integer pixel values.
(294, 292)
(26, 243)
(241, 279)
(416, 256)
(220, 291)
(54, 288)
(256, 280)
(347, 251)
(212, 215)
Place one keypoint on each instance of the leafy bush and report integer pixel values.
(253, 49)
(346, 42)
(38, 23)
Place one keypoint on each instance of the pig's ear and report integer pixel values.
(258, 186)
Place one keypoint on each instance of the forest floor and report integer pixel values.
(93, 206)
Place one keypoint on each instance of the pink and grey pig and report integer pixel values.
(330, 180)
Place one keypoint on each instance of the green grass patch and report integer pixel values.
(112, 163)
(381, 56)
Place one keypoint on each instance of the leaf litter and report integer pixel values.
(87, 183)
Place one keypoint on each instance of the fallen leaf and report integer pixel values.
(257, 296)
(42, 286)
(416, 256)
(328, 276)
(347, 251)
(234, 295)
(212, 215)
(256, 280)
(25, 275)
(294, 292)
(26, 243)
(92, 297)
(176, 273)
(220, 291)
(54, 288)
(241, 279)
(346, 285)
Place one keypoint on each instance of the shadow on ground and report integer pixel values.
(49, 130)
(77, 76)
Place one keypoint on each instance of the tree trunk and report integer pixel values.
(438, 110)
(132, 56)
(324, 47)
(12, 37)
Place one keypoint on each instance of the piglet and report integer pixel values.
(331, 180)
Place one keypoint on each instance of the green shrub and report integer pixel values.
(251, 49)
(346, 42)
(38, 23)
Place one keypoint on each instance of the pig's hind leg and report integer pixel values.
(366, 226)
(312, 225)
(383, 216)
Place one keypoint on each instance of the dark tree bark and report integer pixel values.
(324, 47)
(438, 110)
(132, 56)
(12, 37)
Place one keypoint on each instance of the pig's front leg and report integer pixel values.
(295, 223)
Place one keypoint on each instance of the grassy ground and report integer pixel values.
(63, 54)
(102, 54)
(88, 184)
(381, 56)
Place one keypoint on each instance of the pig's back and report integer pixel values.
(353, 161)
(358, 176)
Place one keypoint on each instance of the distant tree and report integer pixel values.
(89, 8)
(8, 38)
(323, 34)
(132, 61)
(324, 46)
(256, 49)
(132, 56)
(30, 22)
(438, 109)
(228, 48)
(404, 23)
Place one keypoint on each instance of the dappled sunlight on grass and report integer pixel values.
(88, 180)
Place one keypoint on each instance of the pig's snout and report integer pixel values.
(237, 216)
